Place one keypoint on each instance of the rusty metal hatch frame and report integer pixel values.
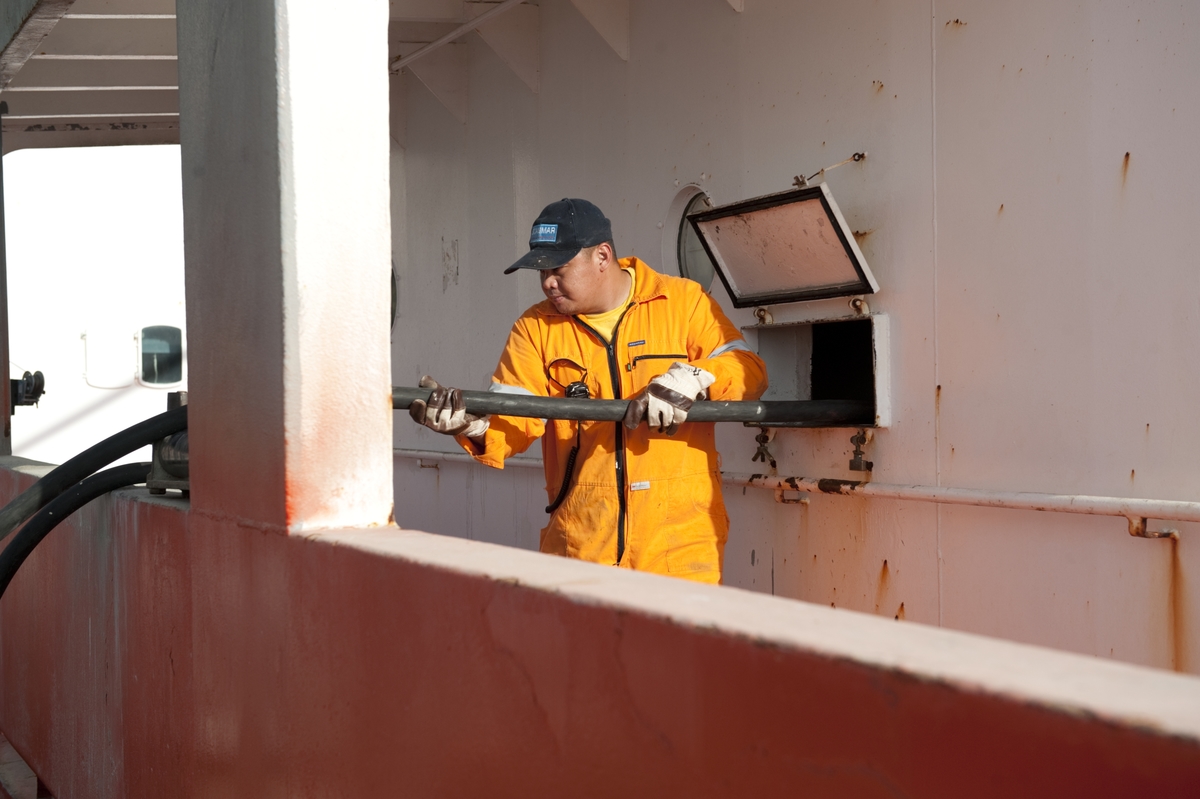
(863, 284)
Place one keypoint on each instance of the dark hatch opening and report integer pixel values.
(843, 361)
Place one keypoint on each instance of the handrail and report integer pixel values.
(1137, 511)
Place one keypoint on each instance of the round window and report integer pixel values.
(395, 291)
(694, 262)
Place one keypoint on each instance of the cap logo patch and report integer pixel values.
(543, 234)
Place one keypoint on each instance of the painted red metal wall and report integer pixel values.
(147, 652)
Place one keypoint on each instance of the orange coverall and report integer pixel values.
(639, 499)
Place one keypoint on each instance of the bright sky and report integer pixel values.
(93, 233)
(95, 245)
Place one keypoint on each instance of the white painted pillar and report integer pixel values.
(6, 411)
(284, 128)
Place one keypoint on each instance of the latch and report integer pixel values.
(857, 463)
(764, 453)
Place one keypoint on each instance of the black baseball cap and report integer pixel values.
(561, 231)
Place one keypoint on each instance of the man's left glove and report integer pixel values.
(666, 401)
(445, 412)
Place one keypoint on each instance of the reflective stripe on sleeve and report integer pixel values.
(736, 344)
(500, 388)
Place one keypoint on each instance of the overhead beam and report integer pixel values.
(91, 72)
(515, 38)
(499, 8)
(30, 89)
(29, 122)
(124, 7)
(29, 37)
(112, 37)
(610, 18)
(445, 72)
(100, 57)
(427, 10)
(76, 102)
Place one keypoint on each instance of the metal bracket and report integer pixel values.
(764, 316)
(26, 390)
(1137, 529)
(782, 498)
(169, 456)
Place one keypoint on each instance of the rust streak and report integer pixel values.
(829, 486)
(900, 612)
(1178, 628)
(881, 590)
(1124, 170)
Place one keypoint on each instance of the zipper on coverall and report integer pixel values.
(629, 366)
(614, 373)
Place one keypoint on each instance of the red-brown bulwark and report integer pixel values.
(149, 653)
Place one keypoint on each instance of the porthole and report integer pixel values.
(395, 292)
(162, 355)
(694, 262)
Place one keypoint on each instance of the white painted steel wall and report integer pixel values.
(95, 248)
(1041, 284)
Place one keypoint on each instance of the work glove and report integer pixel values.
(445, 412)
(666, 401)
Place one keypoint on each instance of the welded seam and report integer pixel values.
(250, 524)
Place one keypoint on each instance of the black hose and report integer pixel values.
(60, 508)
(87, 462)
(794, 413)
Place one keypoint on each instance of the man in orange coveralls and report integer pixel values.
(643, 496)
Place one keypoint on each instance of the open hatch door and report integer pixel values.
(785, 247)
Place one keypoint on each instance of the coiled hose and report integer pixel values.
(60, 508)
(87, 462)
(70, 486)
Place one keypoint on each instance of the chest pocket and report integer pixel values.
(562, 372)
(652, 357)
(651, 349)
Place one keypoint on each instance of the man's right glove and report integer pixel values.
(666, 401)
(445, 412)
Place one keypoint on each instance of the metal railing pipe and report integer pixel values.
(797, 413)
(1137, 511)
